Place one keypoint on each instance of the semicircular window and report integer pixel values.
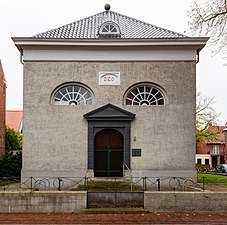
(109, 28)
(144, 95)
(72, 95)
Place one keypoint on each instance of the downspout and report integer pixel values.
(21, 57)
(197, 56)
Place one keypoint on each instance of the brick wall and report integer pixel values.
(2, 110)
(208, 148)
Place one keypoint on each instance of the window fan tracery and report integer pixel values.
(144, 95)
(109, 28)
(72, 95)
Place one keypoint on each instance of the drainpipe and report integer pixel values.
(21, 57)
(197, 56)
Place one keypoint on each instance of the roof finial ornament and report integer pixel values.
(107, 6)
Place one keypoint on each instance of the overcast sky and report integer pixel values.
(25, 18)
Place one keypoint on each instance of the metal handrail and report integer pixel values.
(127, 168)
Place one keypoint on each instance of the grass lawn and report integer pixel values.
(6, 182)
(212, 178)
(110, 186)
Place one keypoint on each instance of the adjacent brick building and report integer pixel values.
(2, 110)
(213, 153)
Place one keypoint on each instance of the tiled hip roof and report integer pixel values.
(88, 28)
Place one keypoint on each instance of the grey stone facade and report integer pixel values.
(56, 137)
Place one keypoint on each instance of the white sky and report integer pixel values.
(24, 18)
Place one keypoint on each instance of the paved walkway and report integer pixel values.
(114, 218)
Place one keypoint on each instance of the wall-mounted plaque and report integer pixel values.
(109, 78)
(136, 152)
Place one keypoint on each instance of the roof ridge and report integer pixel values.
(149, 24)
(68, 24)
(14, 110)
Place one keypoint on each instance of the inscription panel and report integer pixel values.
(109, 78)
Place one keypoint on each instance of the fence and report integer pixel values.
(132, 184)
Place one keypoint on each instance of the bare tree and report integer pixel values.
(206, 116)
(209, 18)
(205, 113)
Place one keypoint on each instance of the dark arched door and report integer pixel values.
(108, 153)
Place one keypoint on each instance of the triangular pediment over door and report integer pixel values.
(109, 112)
(106, 118)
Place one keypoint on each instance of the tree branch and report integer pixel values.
(210, 18)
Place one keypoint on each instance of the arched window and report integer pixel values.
(109, 28)
(144, 94)
(72, 94)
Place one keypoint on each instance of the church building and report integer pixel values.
(106, 95)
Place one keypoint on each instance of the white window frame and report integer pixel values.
(216, 150)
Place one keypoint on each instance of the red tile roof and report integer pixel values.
(14, 119)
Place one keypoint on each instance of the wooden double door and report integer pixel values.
(108, 161)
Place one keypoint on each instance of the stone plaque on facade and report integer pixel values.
(109, 78)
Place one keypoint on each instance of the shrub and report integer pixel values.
(11, 161)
